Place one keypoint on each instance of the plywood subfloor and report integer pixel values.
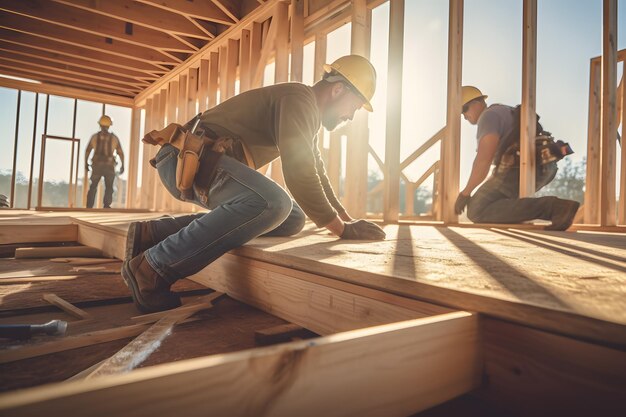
(566, 282)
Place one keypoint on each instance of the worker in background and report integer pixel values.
(280, 120)
(497, 200)
(105, 146)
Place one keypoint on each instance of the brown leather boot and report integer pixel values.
(138, 239)
(563, 213)
(150, 291)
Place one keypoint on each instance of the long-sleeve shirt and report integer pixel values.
(282, 120)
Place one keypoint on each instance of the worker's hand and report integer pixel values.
(461, 202)
(121, 169)
(362, 230)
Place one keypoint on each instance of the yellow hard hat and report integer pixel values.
(470, 93)
(359, 72)
(105, 121)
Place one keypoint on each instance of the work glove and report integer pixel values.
(121, 169)
(461, 202)
(362, 230)
(87, 166)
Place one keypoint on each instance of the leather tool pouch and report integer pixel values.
(198, 156)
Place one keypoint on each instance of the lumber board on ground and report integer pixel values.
(59, 251)
(24, 233)
(300, 378)
(69, 308)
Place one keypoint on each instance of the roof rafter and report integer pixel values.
(200, 9)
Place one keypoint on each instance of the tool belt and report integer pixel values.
(198, 155)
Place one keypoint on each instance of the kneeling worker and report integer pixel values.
(259, 125)
(497, 200)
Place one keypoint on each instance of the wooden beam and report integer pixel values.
(621, 211)
(33, 233)
(608, 130)
(199, 9)
(297, 39)
(203, 84)
(223, 73)
(256, 46)
(146, 170)
(172, 104)
(74, 20)
(320, 57)
(268, 48)
(182, 99)
(142, 15)
(133, 159)
(85, 40)
(231, 67)
(391, 202)
(281, 19)
(244, 61)
(192, 92)
(451, 146)
(56, 252)
(528, 116)
(358, 136)
(315, 377)
(592, 179)
(213, 78)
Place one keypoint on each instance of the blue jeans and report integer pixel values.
(497, 200)
(244, 204)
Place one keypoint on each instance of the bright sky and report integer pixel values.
(569, 34)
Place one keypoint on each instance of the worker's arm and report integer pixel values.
(487, 147)
(328, 189)
(120, 153)
(88, 152)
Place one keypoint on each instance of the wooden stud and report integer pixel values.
(320, 56)
(297, 39)
(244, 61)
(133, 159)
(608, 130)
(281, 19)
(213, 78)
(146, 170)
(223, 73)
(203, 85)
(256, 37)
(231, 77)
(268, 48)
(450, 150)
(621, 211)
(592, 180)
(69, 308)
(182, 99)
(394, 111)
(358, 132)
(528, 117)
(192, 93)
(333, 169)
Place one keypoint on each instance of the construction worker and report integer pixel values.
(280, 120)
(497, 200)
(104, 144)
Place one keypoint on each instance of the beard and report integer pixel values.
(330, 121)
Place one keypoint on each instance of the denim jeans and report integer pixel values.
(497, 200)
(99, 171)
(244, 204)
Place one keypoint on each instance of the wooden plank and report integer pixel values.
(299, 378)
(278, 334)
(25, 233)
(69, 308)
(56, 252)
(297, 39)
(357, 151)
(281, 19)
(256, 38)
(621, 211)
(244, 61)
(320, 56)
(608, 132)
(192, 92)
(133, 159)
(233, 56)
(391, 202)
(112, 244)
(333, 169)
(563, 376)
(223, 73)
(213, 77)
(172, 101)
(182, 99)
(146, 170)
(451, 146)
(268, 48)
(528, 117)
(203, 85)
(140, 348)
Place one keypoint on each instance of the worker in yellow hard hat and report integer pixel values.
(497, 200)
(281, 120)
(106, 147)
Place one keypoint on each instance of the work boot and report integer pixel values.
(150, 291)
(563, 213)
(138, 239)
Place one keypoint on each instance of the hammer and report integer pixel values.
(26, 331)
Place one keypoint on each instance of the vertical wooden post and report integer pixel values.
(192, 93)
(297, 39)
(214, 69)
(334, 160)
(203, 85)
(172, 102)
(621, 211)
(608, 130)
(358, 135)
(256, 38)
(528, 117)
(244, 61)
(159, 190)
(182, 99)
(391, 200)
(146, 168)
(281, 73)
(592, 181)
(233, 56)
(223, 73)
(451, 155)
(133, 158)
(320, 56)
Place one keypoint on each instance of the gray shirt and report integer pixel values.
(497, 118)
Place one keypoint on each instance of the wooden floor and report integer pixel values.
(571, 283)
